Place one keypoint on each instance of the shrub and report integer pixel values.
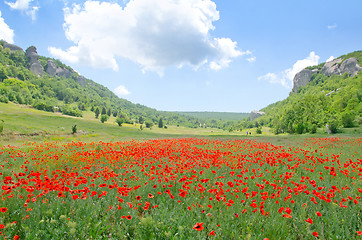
(347, 120)
(333, 126)
(1, 126)
(74, 129)
(104, 118)
(119, 121)
(258, 130)
(149, 124)
(299, 128)
(313, 129)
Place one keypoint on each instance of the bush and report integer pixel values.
(66, 110)
(333, 126)
(347, 120)
(1, 126)
(299, 128)
(313, 129)
(104, 118)
(74, 129)
(258, 130)
(119, 121)
(149, 124)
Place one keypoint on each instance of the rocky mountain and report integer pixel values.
(338, 66)
(327, 94)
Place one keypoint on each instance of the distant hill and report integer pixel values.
(48, 84)
(330, 93)
(216, 115)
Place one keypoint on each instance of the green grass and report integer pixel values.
(23, 123)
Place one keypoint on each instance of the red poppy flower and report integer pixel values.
(3, 209)
(315, 234)
(198, 226)
(138, 198)
(319, 214)
(212, 233)
(150, 195)
(359, 233)
(129, 217)
(16, 237)
(309, 220)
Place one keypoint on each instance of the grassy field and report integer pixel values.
(111, 182)
(23, 124)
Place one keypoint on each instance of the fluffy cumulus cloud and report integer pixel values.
(285, 78)
(6, 33)
(121, 91)
(154, 34)
(331, 58)
(26, 6)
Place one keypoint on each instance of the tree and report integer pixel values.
(1, 126)
(104, 118)
(109, 112)
(104, 111)
(120, 121)
(74, 129)
(149, 125)
(160, 123)
(97, 112)
(115, 114)
(141, 120)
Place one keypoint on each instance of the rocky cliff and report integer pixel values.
(34, 63)
(337, 66)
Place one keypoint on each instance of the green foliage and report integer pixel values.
(313, 129)
(104, 118)
(71, 111)
(160, 123)
(333, 125)
(149, 125)
(120, 121)
(347, 119)
(74, 129)
(258, 130)
(97, 112)
(1, 126)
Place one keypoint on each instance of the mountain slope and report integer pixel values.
(331, 95)
(47, 84)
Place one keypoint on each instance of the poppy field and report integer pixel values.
(187, 188)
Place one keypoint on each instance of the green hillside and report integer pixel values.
(334, 100)
(71, 94)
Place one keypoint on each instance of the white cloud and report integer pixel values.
(332, 26)
(251, 59)
(154, 34)
(331, 58)
(285, 78)
(121, 91)
(6, 33)
(24, 6)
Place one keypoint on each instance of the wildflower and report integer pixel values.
(319, 214)
(309, 220)
(315, 234)
(212, 233)
(198, 226)
(3, 209)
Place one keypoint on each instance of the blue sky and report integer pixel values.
(190, 55)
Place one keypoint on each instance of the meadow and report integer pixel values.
(182, 188)
(111, 182)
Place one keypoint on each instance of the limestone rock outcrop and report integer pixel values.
(34, 63)
(337, 66)
(350, 66)
(332, 67)
(256, 114)
(301, 79)
(13, 47)
(51, 68)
